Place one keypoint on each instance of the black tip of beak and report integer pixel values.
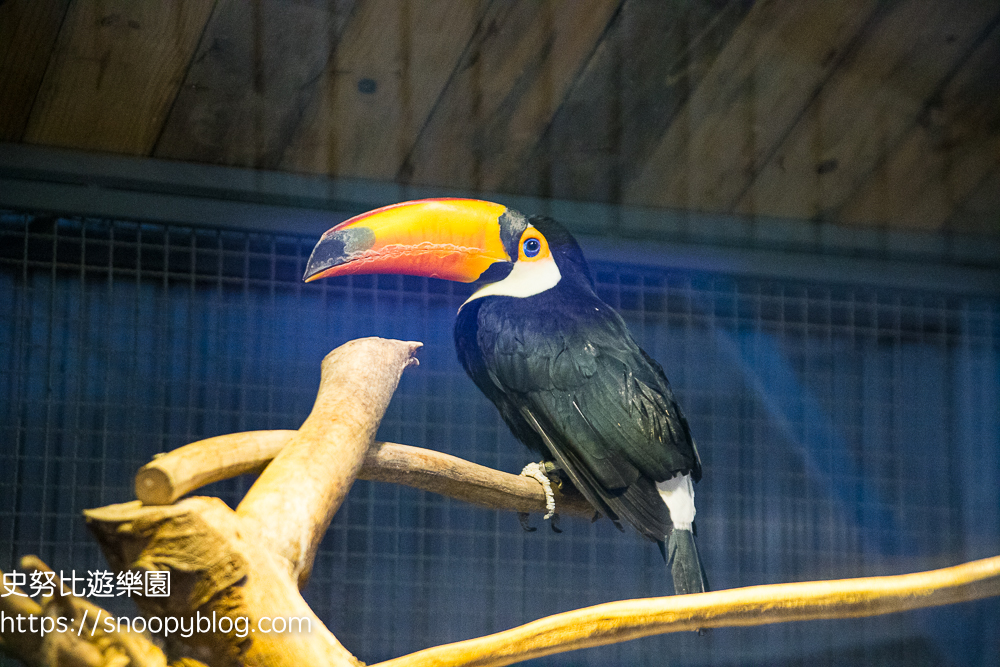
(338, 247)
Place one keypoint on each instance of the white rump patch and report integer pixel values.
(678, 494)
(525, 279)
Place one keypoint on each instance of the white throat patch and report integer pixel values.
(525, 279)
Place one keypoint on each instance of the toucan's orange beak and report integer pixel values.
(454, 239)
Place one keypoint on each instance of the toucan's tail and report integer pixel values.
(681, 555)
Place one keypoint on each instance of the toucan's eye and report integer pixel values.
(531, 246)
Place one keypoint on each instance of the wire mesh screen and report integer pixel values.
(845, 431)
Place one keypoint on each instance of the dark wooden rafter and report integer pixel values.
(115, 70)
(255, 70)
(777, 60)
(858, 112)
(611, 118)
(506, 87)
(978, 213)
(947, 152)
(872, 99)
(377, 92)
(28, 32)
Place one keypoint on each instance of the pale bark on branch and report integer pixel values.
(91, 640)
(758, 605)
(183, 470)
(250, 563)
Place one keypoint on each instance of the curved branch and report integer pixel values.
(177, 473)
(457, 478)
(293, 501)
(181, 471)
(757, 605)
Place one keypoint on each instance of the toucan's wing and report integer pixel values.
(601, 406)
(637, 503)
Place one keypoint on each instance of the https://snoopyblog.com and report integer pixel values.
(104, 584)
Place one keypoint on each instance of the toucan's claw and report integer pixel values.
(554, 522)
(523, 518)
(555, 473)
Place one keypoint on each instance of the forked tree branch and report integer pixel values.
(293, 501)
(251, 562)
(183, 470)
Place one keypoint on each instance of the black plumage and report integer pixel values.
(572, 384)
(558, 362)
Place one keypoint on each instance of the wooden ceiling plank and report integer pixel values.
(506, 88)
(979, 213)
(376, 94)
(254, 73)
(755, 90)
(638, 79)
(944, 156)
(28, 32)
(866, 107)
(115, 70)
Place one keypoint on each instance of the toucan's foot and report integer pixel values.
(523, 518)
(554, 523)
(550, 468)
(557, 476)
(537, 472)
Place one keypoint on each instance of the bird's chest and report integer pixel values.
(505, 326)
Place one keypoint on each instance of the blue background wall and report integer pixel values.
(846, 431)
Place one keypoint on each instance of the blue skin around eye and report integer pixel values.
(531, 247)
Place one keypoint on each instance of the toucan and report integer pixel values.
(558, 362)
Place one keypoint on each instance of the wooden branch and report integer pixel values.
(249, 564)
(177, 473)
(758, 605)
(171, 475)
(292, 503)
(460, 479)
(89, 646)
(219, 568)
(25, 647)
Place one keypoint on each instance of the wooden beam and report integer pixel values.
(255, 71)
(867, 106)
(637, 80)
(115, 71)
(28, 31)
(945, 154)
(768, 72)
(980, 212)
(376, 94)
(505, 90)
